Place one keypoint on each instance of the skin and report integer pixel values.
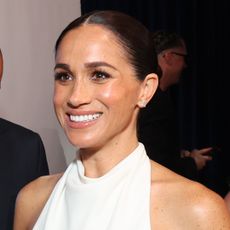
(178, 203)
(82, 87)
(227, 200)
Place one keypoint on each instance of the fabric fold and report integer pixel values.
(118, 200)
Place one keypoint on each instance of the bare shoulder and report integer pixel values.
(31, 200)
(227, 200)
(184, 203)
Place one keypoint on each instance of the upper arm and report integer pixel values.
(227, 200)
(210, 212)
(31, 199)
(23, 212)
(178, 203)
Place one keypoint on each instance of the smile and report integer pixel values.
(85, 118)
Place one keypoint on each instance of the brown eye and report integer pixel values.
(63, 77)
(100, 75)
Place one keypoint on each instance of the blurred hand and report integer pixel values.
(200, 156)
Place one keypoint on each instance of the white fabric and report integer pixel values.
(119, 200)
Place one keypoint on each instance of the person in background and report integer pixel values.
(23, 159)
(158, 128)
(101, 83)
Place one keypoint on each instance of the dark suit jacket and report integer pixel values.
(22, 160)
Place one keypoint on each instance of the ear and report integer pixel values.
(148, 88)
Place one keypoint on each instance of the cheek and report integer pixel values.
(59, 96)
(59, 102)
(108, 94)
(117, 97)
(111, 94)
(56, 98)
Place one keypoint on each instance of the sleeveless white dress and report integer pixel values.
(119, 200)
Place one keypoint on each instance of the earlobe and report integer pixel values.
(149, 87)
(142, 104)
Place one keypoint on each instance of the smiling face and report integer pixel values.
(96, 91)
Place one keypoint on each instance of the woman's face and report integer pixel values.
(96, 92)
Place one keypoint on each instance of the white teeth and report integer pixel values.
(84, 118)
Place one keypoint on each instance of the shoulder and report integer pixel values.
(184, 202)
(227, 200)
(20, 136)
(31, 199)
(13, 128)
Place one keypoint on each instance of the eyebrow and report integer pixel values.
(87, 65)
(62, 66)
(98, 64)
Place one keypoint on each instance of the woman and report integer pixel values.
(104, 73)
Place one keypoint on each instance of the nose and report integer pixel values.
(80, 94)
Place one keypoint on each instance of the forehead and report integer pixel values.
(90, 39)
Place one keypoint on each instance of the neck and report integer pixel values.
(98, 161)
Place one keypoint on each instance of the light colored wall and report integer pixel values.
(28, 31)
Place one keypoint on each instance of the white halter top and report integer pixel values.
(119, 200)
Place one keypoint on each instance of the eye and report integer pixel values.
(62, 77)
(100, 76)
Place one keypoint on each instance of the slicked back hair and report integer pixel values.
(132, 35)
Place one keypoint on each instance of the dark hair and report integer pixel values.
(132, 35)
(164, 40)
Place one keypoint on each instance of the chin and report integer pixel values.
(82, 141)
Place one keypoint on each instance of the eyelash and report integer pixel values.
(63, 77)
(99, 75)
